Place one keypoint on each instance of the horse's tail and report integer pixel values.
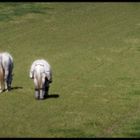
(38, 77)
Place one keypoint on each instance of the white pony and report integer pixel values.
(6, 68)
(41, 73)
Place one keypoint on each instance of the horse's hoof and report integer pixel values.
(41, 98)
(9, 88)
(6, 90)
(36, 98)
(0, 91)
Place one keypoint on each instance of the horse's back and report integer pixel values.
(43, 63)
(7, 59)
(7, 56)
(39, 69)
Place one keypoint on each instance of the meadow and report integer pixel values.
(94, 51)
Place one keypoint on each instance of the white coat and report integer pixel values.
(47, 68)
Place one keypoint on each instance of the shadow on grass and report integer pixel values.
(14, 88)
(51, 96)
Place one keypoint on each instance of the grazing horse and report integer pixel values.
(41, 73)
(6, 68)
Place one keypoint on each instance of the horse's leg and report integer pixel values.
(1, 87)
(41, 94)
(42, 90)
(1, 77)
(46, 87)
(1, 80)
(9, 79)
(36, 89)
(9, 82)
(47, 90)
(6, 80)
(36, 93)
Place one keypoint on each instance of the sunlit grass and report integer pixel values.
(93, 49)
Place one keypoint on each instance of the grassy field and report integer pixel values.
(94, 51)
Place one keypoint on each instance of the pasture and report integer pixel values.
(94, 51)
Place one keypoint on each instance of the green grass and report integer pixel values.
(94, 52)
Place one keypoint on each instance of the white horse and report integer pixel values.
(6, 68)
(41, 73)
